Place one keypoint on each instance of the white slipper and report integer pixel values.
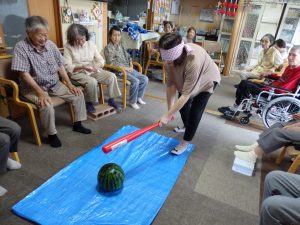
(176, 151)
(2, 191)
(13, 165)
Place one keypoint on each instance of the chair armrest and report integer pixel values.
(157, 55)
(116, 69)
(139, 67)
(13, 85)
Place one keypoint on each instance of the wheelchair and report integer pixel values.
(272, 107)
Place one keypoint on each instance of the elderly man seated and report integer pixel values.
(288, 81)
(281, 199)
(275, 137)
(39, 64)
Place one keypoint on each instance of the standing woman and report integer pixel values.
(84, 64)
(116, 54)
(192, 73)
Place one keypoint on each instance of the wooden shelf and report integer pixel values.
(226, 33)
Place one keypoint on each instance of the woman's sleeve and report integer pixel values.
(98, 59)
(68, 60)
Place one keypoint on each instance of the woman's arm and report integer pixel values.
(98, 59)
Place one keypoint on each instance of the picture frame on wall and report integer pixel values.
(207, 15)
(175, 7)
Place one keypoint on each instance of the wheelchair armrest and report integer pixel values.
(277, 88)
(273, 77)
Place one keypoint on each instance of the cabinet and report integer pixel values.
(261, 19)
(225, 32)
(290, 25)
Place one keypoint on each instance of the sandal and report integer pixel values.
(176, 151)
(179, 129)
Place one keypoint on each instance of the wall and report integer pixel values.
(190, 13)
(130, 8)
(101, 31)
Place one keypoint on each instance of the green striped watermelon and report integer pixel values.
(110, 177)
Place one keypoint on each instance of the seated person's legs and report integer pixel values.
(281, 199)
(9, 139)
(134, 90)
(90, 91)
(143, 82)
(243, 91)
(4, 151)
(78, 103)
(272, 140)
(109, 79)
(47, 115)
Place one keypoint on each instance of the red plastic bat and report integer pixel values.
(127, 138)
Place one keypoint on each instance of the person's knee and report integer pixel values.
(272, 176)
(4, 142)
(145, 79)
(16, 129)
(91, 84)
(273, 206)
(134, 83)
(48, 108)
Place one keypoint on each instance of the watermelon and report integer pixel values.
(110, 177)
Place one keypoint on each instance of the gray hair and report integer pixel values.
(296, 48)
(33, 23)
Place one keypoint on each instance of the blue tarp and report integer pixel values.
(71, 196)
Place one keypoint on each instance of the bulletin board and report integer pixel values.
(162, 10)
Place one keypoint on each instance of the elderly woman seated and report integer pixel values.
(84, 64)
(190, 36)
(269, 59)
(288, 81)
(116, 54)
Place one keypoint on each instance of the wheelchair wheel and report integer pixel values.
(244, 120)
(280, 110)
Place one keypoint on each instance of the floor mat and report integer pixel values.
(71, 196)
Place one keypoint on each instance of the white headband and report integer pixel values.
(174, 53)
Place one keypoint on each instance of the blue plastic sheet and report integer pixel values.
(71, 196)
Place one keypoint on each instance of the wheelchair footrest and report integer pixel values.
(102, 110)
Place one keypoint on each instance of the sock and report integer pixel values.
(54, 141)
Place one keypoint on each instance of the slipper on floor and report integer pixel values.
(179, 129)
(176, 151)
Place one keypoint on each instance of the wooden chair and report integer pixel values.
(8, 86)
(154, 62)
(123, 79)
(15, 156)
(291, 151)
(214, 49)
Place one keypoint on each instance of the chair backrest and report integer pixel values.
(5, 70)
(149, 46)
(212, 46)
